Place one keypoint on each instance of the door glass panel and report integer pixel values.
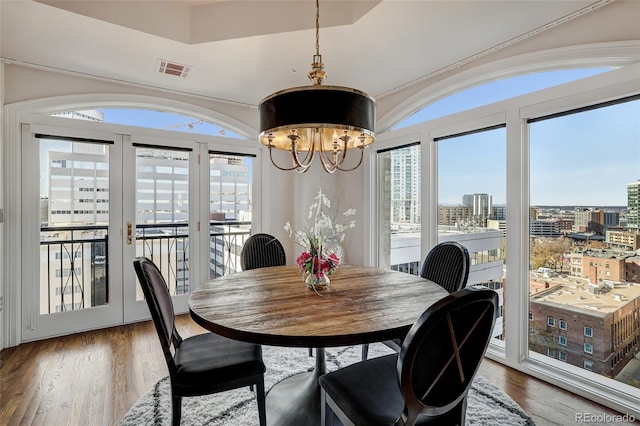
(584, 235)
(162, 213)
(399, 209)
(472, 205)
(74, 217)
(230, 208)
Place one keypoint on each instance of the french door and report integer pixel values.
(160, 217)
(92, 200)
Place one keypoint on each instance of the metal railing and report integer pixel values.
(73, 266)
(74, 259)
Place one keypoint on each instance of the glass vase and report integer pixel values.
(317, 281)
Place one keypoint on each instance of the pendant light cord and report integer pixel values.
(317, 27)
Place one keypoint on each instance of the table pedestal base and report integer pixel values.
(295, 401)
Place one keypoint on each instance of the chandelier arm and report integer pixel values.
(285, 169)
(308, 158)
(328, 165)
(337, 154)
(357, 165)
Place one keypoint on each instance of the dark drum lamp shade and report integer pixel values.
(328, 120)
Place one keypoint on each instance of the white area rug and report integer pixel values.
(487, 405)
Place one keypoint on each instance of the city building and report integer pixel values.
(405, 185)
(633, 205)
(588, 220)
(623, 238)
(592, 326)
(545, 228)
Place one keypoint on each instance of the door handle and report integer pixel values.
(129, 233)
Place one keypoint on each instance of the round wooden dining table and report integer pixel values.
(273, 306)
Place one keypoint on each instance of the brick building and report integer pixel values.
(594, 327)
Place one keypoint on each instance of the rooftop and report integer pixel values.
(603, 298)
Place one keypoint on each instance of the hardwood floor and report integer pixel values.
(93, 378)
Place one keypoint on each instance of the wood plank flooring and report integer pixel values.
(93, 378)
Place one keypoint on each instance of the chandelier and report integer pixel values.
(324, 120)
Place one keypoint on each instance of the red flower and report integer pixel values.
(303, 259)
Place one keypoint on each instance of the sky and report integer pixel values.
(584, 159)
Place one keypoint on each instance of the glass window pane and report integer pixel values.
(74, 217)
(162, 214)
(494, 91)
(584, 236)
(230, 210)
(472, 205)
(399, 209)
(151, 119)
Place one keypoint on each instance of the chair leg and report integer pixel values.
(365, 351)
(326, 419)
(262, 406)
(176, 410)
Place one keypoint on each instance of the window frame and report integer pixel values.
(515, 112)
(590, 334)
(588, 346)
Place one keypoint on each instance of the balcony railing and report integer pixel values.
(74, 273)
(226, 241)
(74, 259)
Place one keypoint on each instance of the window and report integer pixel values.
(230, 210)
(530, 316)
(558, 195)
(472, 182)
(494, 91)
(551, 322)
(562, 356)
(399, 208)
(551, 352)
(562, 340)
(155, 120)
(587, 365)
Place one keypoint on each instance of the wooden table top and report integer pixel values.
(273, 306)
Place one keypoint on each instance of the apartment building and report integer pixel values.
(590, 326)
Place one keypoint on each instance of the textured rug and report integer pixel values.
(487, 405)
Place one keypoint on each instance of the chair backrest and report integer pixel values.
(261, 251)
(442, 352)
(156, 294)
(448, 265)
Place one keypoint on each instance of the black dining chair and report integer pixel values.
(203, 364)
(428, 382)
(446, 264)
(261, 251)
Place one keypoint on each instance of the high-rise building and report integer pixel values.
(633, 205)
(481, 205)
(405, 185)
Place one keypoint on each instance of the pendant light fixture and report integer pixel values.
(327, 121)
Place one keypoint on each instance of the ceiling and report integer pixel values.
(241, 50)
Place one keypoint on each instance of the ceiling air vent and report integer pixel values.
(173, 68)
